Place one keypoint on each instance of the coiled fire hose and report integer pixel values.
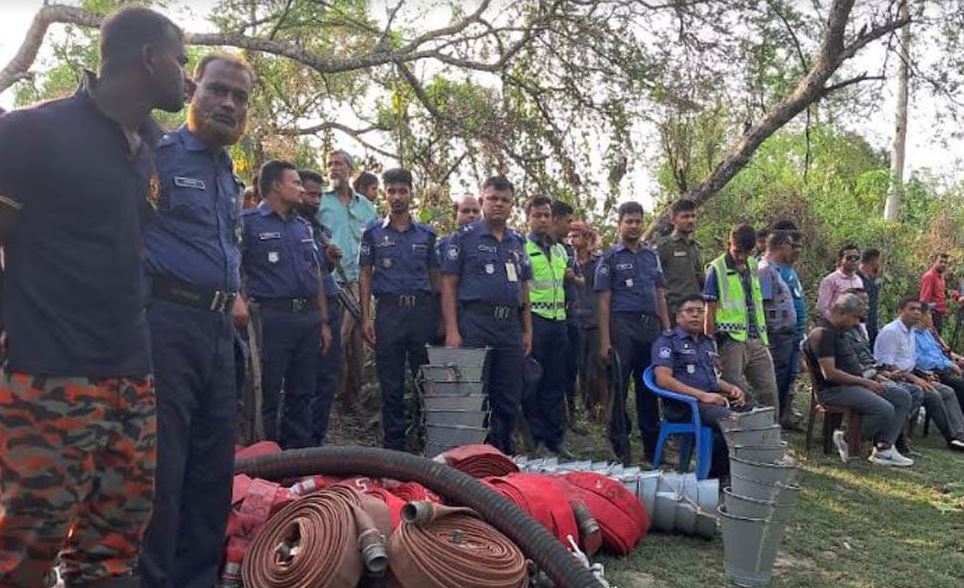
(443, 546)
(326, 539)
(533, 539)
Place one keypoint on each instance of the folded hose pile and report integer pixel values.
(325, 539)
(478, 461)
(281, 533)
(442, 546)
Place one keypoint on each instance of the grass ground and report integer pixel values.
(856, 526)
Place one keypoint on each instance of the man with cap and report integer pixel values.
(485, 302)
(399, 268)
(632, 314)
(279, 264)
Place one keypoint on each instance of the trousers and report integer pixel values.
(544, 409)
(329, 374)
(882, 416)
(77, 458)
(632, 337)
(506, 366)
(193, 353)
(401, 334)
(749, 366)
(783, 350)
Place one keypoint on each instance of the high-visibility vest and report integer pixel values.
(546, 290)
(731, 314)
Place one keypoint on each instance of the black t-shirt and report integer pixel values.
(829, 341)
(73, 297)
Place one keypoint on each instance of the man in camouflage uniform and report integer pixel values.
(77, 411)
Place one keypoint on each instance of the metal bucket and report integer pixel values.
(664, 515)
(686, 518)
(471, 418)
(451, 373)
(706, 524)
(452, 388)
(768, 473)
(646, 490)
(454, 435)
(743, 506)
(744, 543)
(776, 492)
(460, 356)
(760, 453)
(473, 402)
(763, 416)
(769, 435)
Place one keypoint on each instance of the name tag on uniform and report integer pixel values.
(510, 271)
(624, 266)
(182, 182)
(488, 248)
(679, 254)
(266, 236)
(308, 240)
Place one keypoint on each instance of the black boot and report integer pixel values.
(113, 582)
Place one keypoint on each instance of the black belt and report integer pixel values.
(293, 305)
(404, 300)
(188, 294)
(639, 316)
(496, 311)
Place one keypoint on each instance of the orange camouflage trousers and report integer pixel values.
(77, 461)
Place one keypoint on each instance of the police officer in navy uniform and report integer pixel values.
(684, 361)
(399, 268)
(485, 302)
(192, 262)
(632, 314)
(329, 366)
(279, 264)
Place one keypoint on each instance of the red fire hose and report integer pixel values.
(535, 540)
(442, 546)
(326, 539)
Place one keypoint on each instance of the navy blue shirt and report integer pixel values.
(489, 270)
(74, 293)
(400, 260)
(692, 359)
(194, 232)
(322, 238)
(584, 306)
(632, 277)
(278, 255)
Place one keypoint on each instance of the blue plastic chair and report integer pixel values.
(693, 430)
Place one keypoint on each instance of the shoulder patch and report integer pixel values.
(665, 353)
(249, 211)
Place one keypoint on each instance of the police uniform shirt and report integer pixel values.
(682, 263)
(322, 237)
(632, 277)
(73, 294)
(279, 258)
(777, 299)
(400, 260)
(489, 270)
(195, 228)
(692, 359)
(711, 291)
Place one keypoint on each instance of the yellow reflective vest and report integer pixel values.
(546, 290)
(731, 313)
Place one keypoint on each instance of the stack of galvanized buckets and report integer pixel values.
(675, 502)
(455, 408)
(760, 499)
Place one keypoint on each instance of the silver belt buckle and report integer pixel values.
(502, 312)
(297, 304)
(218, 300)
(406, 301)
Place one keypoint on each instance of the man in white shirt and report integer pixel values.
(896, 349)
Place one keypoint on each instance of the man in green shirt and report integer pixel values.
(680, 257)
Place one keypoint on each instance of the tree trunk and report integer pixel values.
(899, 149)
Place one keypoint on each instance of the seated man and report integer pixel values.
(896, 349)
(933, 358)
(840, 379)
(684, 361)
(859, 340)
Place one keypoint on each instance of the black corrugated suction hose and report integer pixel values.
(457, 488)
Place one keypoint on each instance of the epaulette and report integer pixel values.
(249, 211)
